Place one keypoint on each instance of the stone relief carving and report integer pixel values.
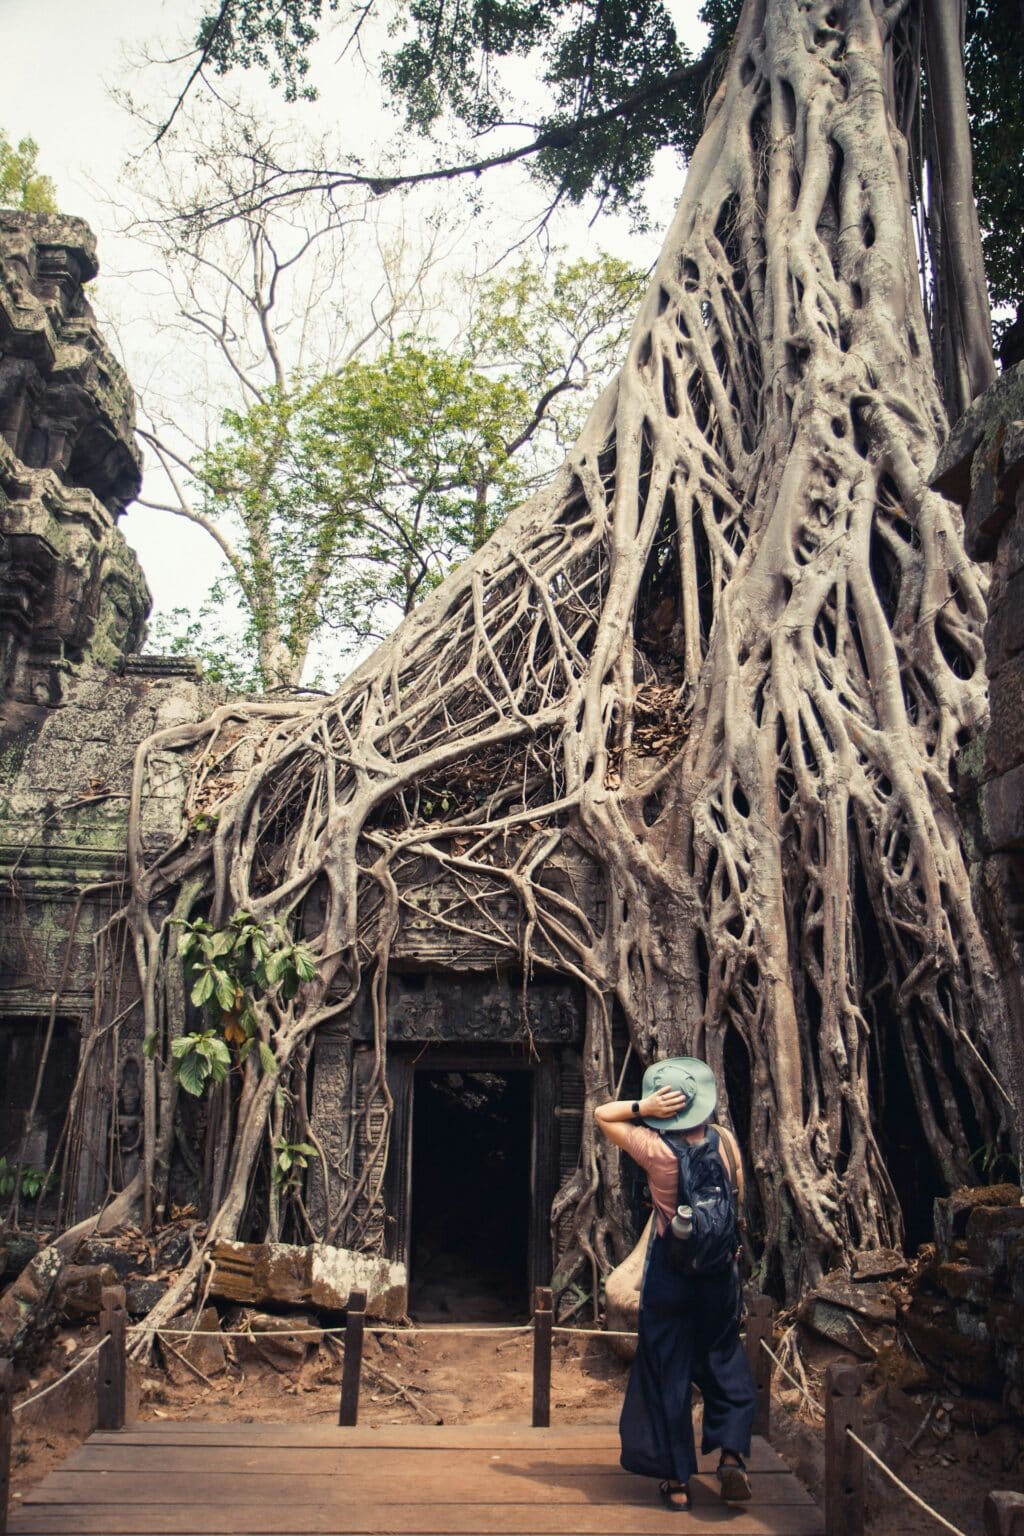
(475, 1010)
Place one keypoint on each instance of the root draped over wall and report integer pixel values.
(728, 656)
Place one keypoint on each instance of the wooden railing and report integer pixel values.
(845, 1448)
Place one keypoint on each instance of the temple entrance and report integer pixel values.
(470, 1189)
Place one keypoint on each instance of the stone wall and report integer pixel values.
(982, 467)
(71, 590)
(76, 701)
(967, 1317)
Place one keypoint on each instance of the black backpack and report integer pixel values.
(705, 1186)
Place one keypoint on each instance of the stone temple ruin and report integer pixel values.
(486, 1122)
(485, 1117)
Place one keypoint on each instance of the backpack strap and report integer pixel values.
(726, 1152)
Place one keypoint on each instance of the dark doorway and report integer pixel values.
(469, 1248)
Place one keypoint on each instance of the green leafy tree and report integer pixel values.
(339, 502)
(22, 185)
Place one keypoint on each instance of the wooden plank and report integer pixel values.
(394, 1482)
(431, 1436)
(446, 1437)
(144, 1459)
(272, 1519)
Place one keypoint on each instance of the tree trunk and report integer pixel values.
(727, 656)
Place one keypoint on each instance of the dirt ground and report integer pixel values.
(477, 1377)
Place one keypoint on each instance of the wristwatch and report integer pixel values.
(635, 1109)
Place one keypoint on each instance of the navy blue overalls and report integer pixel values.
(688, 1332)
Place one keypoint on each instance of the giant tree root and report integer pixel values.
(725, 660)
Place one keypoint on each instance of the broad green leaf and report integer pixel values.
(275, 965)
(204, 986)
(193, 1072)
(225, 991)
(268, 1061)
(305, 962)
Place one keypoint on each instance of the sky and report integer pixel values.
(64, 62)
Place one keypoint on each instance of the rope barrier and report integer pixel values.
(318, 1333)
(448, 1329)
(61, 1379)
(883, 1466)
(597, 1333)
(901, 1485)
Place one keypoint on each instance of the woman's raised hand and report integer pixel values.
(663, 1103)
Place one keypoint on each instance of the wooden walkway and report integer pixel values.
(214, 1479)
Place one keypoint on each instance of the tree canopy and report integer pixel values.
(340, 499)
(22, 184)
(619, 86)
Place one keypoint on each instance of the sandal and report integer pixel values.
(733, 1482)
(675, 1496)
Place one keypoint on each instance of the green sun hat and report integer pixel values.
(689, 1076)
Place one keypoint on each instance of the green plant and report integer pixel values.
(34, 1181)
(200, 1059)
(994, 1163)
(228, 971)
(289, 1158)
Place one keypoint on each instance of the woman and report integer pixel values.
(689, 1323)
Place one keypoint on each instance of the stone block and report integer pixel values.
(1003, 800)
(80, 1289)
(932, 1328)
(16, 1250)
(987, 513)
(204, 1351)
(878, 1264)
(1010, 554)
(964, 1282)
(93, 1250)
(1004, 1321)
(1015, 1268)
(869, 1299)
(1004, 746)
(274, 1342)
(1004, 632)
(319, 1276)
(839, 1327)
(1003, 401)
(142, 1295)
(952, 1213)
(29, 1308)
(992, 1239)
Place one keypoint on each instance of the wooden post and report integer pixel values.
(355, 1322)
(1004, 1514)
(5, 1442)
(760, 1319)
(542, 1321)
(844, 1461)
(112, 1373)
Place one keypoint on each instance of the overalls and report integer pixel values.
(688, 1332)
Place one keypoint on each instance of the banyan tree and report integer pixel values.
(724, 661)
